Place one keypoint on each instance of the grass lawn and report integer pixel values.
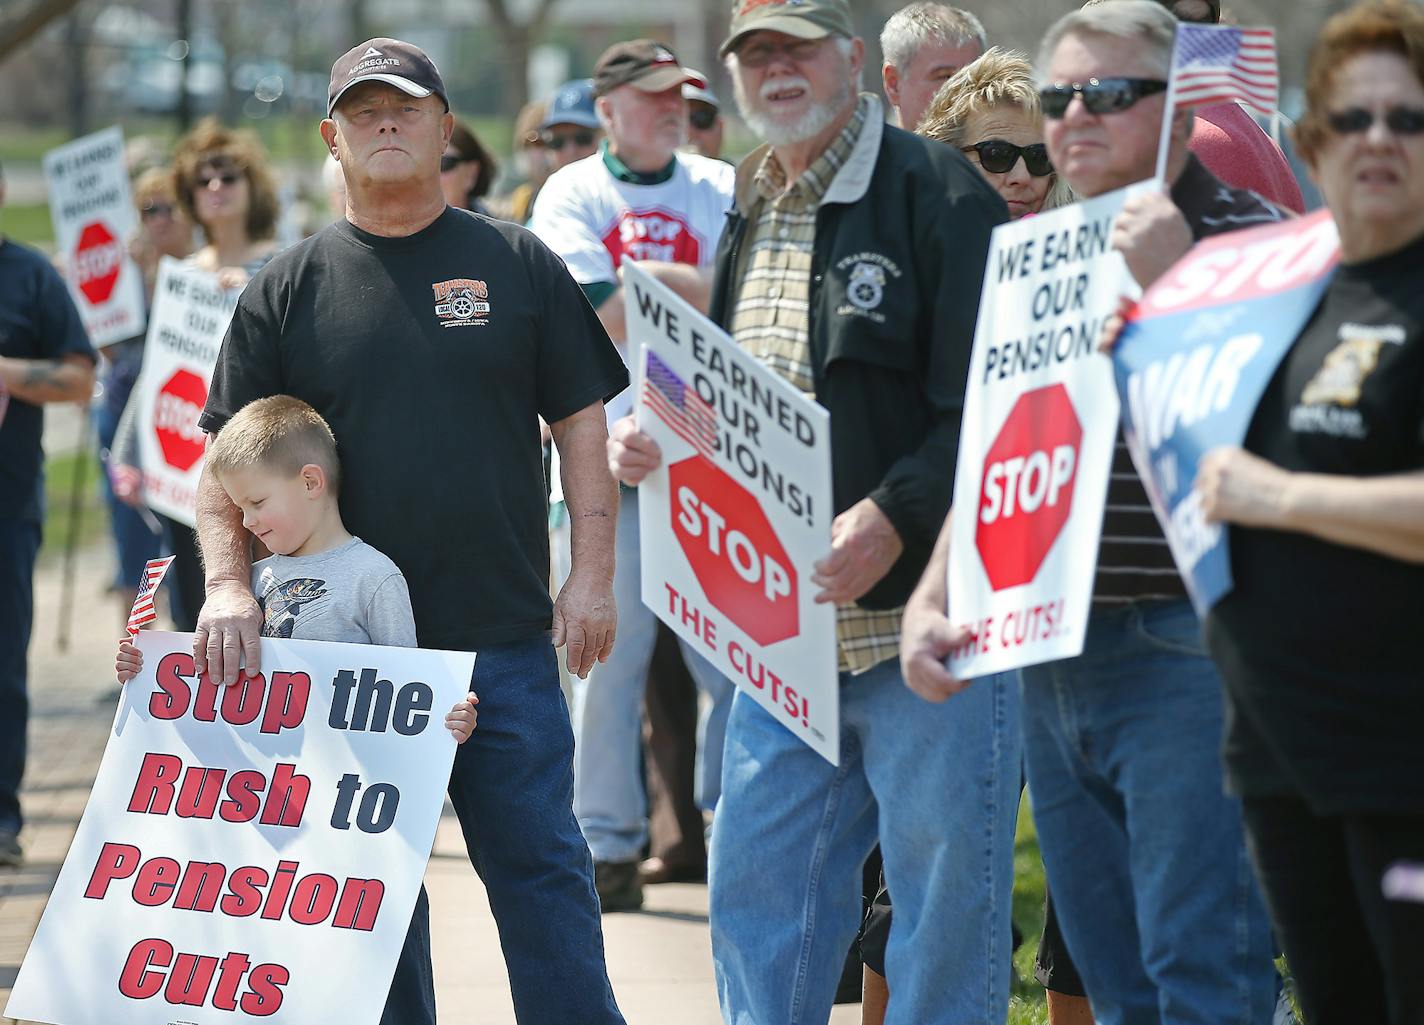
(28, 223)
(1027, 1003)
(59, 485)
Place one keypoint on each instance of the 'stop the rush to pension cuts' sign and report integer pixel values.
(250, 853)
(1035, 449)
(94, 218)
(738, 513)
(190, 316)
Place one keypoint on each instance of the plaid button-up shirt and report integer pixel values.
(771, 320)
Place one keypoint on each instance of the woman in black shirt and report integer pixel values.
(1318, 642)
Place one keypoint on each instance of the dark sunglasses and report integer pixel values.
(1100, 95)
(449, 162)
(997, 156)
(226, 177)
(1354, 120)
(702, 118)
(153, 210)
(557, 142)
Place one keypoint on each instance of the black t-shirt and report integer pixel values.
(1317, 642)
(38, 320)
(431, 356)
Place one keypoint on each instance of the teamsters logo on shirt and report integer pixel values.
(462, 302)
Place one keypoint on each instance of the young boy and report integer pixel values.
(277, 461)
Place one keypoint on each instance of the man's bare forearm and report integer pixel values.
(589, 490)
(38, 381)
(932, 590)
(226, 544)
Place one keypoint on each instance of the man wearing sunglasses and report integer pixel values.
(570, 130)
(1144, 851)
(852, 267)
(639, 198)
(704, 120)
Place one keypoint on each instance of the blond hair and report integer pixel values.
(280, 434)
(1000, 78)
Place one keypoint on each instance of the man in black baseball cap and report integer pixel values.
(392, 61)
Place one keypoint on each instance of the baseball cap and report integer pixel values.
(804, 19)
(572, 105)
(644, 63)
(700, 93)
(392, 61)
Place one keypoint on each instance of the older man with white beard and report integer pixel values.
(852, 265)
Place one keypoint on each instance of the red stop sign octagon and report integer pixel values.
(97, 259)
(1027, 491)
(175, 419)
(735, 554)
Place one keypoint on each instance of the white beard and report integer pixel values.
(779, 132)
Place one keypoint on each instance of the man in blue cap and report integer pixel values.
(570, 130)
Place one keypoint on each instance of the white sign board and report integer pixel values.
(185, 331)
(1035, 449)
(94, 218)
(738, 513)
(253, 853)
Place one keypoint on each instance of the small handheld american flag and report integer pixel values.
(681, 408)
(1221, 63)
(143, 611)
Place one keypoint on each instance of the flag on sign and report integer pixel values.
(693, 420)
(1218, 64)
(143, 611)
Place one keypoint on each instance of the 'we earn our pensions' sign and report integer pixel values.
(250, 853)
(738, 513)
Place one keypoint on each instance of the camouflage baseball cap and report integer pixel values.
(805, 19)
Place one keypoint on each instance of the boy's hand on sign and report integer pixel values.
(632, 455)
(1113, 325)
(1151, 234)
(129, 661)
(926, 639)
(1238, 487)
(463, 717)
(864, 545)
(229, 634)
(585, 619)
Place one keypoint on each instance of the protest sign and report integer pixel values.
(1192, 363)
(94, 217)
(185, 331)
(1035, 448)
(250, 853)
(737, 514)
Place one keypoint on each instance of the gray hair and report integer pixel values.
(1141, 21)
(912, 27)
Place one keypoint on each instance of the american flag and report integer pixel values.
(143, 611)
(1221, 63)
(678, 406)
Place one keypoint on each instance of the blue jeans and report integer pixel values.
(19, 544)
(1144, 850)
(938, 786)
(609, 797)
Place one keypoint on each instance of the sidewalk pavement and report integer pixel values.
(659, 959)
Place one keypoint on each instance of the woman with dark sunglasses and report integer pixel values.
(990, 111)
(1318, 641)
(467, 170)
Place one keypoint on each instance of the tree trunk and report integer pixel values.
(19, 26)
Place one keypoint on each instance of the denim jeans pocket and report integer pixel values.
(1171, 627)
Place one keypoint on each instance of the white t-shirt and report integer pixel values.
(594, 222)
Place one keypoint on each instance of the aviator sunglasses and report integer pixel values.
(702, 118)
(226, 177)
(450, 161)
(557, 142)
(1354, 120)
(997, 156)
(1100, 95)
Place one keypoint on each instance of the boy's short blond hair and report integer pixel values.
(280, 434)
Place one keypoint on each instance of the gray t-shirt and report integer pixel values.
(349, 593)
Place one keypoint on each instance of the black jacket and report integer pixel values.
(901, 239)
